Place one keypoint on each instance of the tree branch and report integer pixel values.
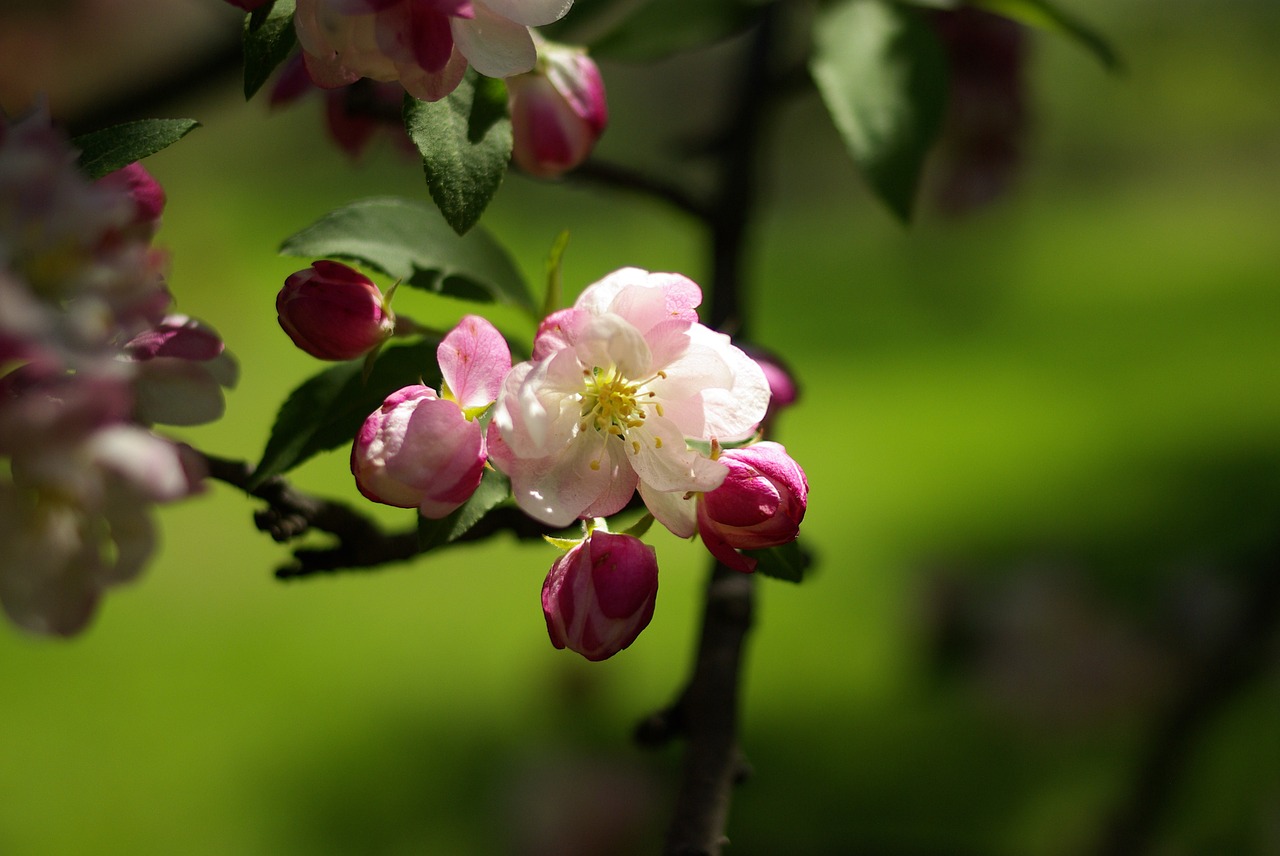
(624, 178)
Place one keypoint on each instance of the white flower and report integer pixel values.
(617, 386)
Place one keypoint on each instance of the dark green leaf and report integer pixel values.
(1047, 16)
(116, 147)
(465, 142)
(655, 28)
(882, 75)
(788, 562)
(409, 241)
(327, 410)
(268, 39)
(493, 490)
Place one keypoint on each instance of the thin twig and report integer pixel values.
(625, 178)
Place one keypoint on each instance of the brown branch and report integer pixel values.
(625, 178)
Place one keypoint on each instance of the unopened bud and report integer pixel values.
(333, 312)
(760, 504)
(600, 595)
(558, 111)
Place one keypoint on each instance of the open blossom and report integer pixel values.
(422, 449)
(760, 504)
(558, 111)
(617, 386)
(424, 44)
(600, 595)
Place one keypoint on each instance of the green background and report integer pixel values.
(1053, 425)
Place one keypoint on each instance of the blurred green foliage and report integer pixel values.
(1045, 433)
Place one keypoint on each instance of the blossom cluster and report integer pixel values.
(90, 357)
(625, 392)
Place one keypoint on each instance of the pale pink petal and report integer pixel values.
(558, 489)
(173, 391)
(597, 297)
(440, 448)
(152, 466)
(496, 46)
(609, 340)
(558, 331)
(474, 359)
(658, 452)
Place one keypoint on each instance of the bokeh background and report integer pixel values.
(1044, 448)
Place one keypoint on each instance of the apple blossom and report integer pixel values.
(600, 594)
(426, 450)
(760, 504)
(617, 386)
(145, 192)
(424, 44)
(333, 312)
(558, 111)
(182, 367)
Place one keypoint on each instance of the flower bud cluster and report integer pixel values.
(89, 357)
(625, 392)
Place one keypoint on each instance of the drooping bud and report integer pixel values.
(419, 451)
(558, 111)
(600, 595)
(333, 312)
(760, 504)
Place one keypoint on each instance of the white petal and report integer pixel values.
(672, 509)
(660, 455)
(531, 13)
(496, 46)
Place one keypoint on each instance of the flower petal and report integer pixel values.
(496, 46)
(531, 13)
(474, 359)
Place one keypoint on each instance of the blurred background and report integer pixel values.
(1043, 441)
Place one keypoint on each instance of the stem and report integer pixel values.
(707, 710)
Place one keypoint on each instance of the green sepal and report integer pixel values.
(268, 39)
(465, 143)
(327, 410)
(116, 147)
(494, 489)
(408, 241)
(555, 259)
(789, 562)
(562, 544)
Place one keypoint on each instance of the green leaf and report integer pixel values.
(268, 39)
(655, 28)
(465, 142)
(788, 562)
(493, 490)
(1048, 17)
(327, 410)
(408, 241)
(882, 74)
(116, 147)
(555, 259)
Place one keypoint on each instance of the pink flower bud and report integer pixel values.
(760, 504)
(419, 451)
(146, 193)
(333, 312)
(600, 595)
(558, 111)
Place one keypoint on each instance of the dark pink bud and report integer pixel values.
(600, 595)
(558, 111)
(760, 504)
(333, 312)
(146, 193)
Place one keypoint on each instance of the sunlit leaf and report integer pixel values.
(493, 490)
(465, 143)
(410, 242)
(116, 147)
(327, 410)
(268, 39)
(882, 76)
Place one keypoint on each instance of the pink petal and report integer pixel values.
(474, 360)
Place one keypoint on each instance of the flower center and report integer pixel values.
(610, 402)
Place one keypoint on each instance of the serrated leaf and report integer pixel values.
(1047, 16)
(465, 143)
(327, 410)
(116, 147)
(788, 562)
(650, 30)
(882, 75)
(268, 39)
(410, 242)
(493, 490)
